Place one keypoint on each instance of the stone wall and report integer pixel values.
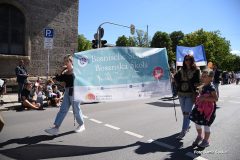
(62, 16)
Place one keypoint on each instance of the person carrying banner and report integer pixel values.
(187, 79)
(67, 76)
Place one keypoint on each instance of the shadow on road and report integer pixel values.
(163, 104)
(33, 140)
(45, 151)
(174, 147)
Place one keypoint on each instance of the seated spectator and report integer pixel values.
(27, 99)
(40, 94)
(56, 97)
(49, 90)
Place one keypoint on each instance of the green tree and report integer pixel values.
(83, 43)
(176, 36)
(141, 40)
(216, 47)
(122, 41)
(231, 63)
(163, 40)
(131, 42)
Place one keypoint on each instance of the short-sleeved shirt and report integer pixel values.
(208, 89)
(26, 93)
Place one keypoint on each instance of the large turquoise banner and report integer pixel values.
(121, 73)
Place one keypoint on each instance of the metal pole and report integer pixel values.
(48, 65)
(147, 36)
(98, 31)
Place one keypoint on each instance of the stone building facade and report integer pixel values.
(22, 34)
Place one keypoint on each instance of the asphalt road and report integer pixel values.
(133, 130)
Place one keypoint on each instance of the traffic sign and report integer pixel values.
(48, 43)
(48, 33)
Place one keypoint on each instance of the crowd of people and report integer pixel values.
(197, 91)
(36, 95)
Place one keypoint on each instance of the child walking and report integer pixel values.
(204, 112)
(68, 99)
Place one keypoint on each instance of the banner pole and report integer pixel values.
(174, 105)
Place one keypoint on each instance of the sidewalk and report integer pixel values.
(10, 101)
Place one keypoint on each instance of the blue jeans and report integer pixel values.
(216, 85)
(186, 103)
(67, 101)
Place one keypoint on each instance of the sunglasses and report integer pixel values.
(187, 59)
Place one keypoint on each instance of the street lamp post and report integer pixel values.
(132, 30)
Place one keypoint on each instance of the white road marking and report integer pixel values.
(234, 101)
(161, 144)
(110, 126)
(96, 121)
(133, 134)
(83, 115)
(192, 155)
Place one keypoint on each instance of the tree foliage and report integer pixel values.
(216, 47)
(83, 43)
(176, 36)
(122, 41)
(163, 40)
(141, 40)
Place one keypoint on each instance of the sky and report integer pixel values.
(160, 15)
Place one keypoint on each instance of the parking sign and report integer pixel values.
(48, 38)
(48, 33)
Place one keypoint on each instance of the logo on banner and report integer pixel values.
(83, 61)
(90, 96)
(158, 73)
(188, 51)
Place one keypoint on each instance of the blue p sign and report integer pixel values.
(48, 33)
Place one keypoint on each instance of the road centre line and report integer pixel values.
(234, 101)
(83, 115)
(189, 154)
(110, 126)
(94, 120)
(161, 144)
(133, 134)
(192, 155)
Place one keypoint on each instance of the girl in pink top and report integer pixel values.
(204, 111)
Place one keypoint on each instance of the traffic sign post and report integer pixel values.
(48, 43)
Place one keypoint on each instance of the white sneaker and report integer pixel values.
(181, 135)
(80, 128)
(53, 131)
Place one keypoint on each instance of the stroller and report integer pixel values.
(2, 89)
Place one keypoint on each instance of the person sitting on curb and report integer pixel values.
(27, 99)
(56, 97)
(49, 90)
